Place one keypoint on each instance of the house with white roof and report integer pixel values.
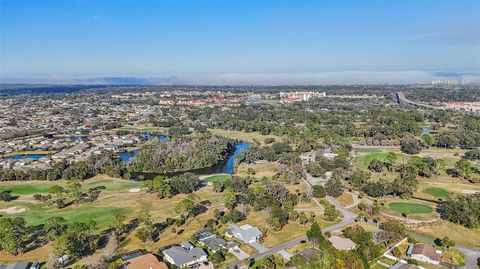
(246, 233)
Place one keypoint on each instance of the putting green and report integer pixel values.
(436, 192)
(410, 208)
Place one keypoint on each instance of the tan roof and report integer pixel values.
(341, 243)
(147, 261)
(427, 251)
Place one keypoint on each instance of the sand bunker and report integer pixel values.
(13, 210)
(134, 190)
(470, 191)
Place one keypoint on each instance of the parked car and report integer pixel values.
(35, 265)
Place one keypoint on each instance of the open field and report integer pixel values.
(261, 169)
(143, 129)
(114, 198)
(244, 136)
(368, 155)
(345, 199)
(43, 187)
(219, 177)
(30, 152)
(435, 187)
(459, 234)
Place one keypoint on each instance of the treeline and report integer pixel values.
(166, 188)
(182, 154)
(75, 239)
(462, 209)
(273, 152)
(309, 122)
(105, 163)
(463, 94)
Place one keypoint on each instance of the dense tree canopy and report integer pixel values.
(182, 154)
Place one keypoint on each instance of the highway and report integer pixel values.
(402, 100)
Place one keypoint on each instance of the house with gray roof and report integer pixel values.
(214, 242)
(184, 257)
(246, 233)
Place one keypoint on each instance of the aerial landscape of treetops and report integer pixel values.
(182, 154)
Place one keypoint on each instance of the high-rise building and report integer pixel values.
(468, 81)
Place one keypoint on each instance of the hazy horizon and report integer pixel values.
(219, 42)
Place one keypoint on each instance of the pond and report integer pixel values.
(24, 156)
(154, 136)
(226, 167)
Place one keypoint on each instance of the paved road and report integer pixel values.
(348, 218)
(272, 251)
(471, 254)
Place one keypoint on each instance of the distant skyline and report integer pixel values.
(243, 42)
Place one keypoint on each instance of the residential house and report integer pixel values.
(214, 242)
(144, 261)
(246, 233)
(342, 243)
(184, 255)
(309, 253)
(424, 253)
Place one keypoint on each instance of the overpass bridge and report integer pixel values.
(403, 101)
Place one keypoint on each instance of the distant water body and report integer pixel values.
(25, 156)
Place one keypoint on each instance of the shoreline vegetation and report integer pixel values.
(182, 154)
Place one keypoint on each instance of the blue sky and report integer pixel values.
(239, 42)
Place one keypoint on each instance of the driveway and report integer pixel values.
(240, 254)
(287, 256)
(258, 247)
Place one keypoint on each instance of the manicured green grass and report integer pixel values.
(25, 189)
(33, 187)
(220, 178)
(36, 214)
(436, 192)
(111, 185)
(368, 150)
(410, 208)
